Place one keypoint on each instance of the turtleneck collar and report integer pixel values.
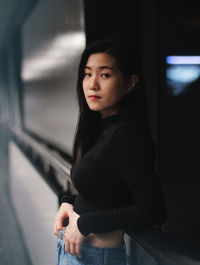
(108, 120)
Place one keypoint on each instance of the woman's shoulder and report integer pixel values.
(126, 124)
(129, 133)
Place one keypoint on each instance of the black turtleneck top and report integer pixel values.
(116, 180)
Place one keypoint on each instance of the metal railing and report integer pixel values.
(54, 169)
(164, 249)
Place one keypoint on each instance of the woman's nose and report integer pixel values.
(94, 85)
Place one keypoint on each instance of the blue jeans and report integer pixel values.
(91, 255)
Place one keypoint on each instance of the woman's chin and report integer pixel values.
(94, 108)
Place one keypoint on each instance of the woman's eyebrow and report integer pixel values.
(101, 67)
(106, 67)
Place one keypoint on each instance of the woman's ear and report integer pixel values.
(132, 82)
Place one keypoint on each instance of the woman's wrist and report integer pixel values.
(67, 208)
(66, 204)
(68, 199)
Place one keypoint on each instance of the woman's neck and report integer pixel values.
(108, 113)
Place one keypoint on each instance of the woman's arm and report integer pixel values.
(121, 218)
(133, 157)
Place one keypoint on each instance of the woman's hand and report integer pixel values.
(65, 211)
(73, 237)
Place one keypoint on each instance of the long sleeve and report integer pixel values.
(68, 199)
(133, 157)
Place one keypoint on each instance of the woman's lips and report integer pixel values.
(94, 97)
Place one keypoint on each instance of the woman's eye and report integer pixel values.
(106, 75)
(87, 74)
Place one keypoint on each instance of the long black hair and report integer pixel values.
(89, 122)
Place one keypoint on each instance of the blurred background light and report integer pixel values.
(183, 59)
(181, 72)
(53, 56)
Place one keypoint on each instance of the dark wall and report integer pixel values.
(179, 118)
(113, 19)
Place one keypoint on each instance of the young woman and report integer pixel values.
(114, 162)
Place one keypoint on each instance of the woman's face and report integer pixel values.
(103, 84)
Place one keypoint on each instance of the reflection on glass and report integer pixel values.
(57, 54)
(53, 39)
(181, 72)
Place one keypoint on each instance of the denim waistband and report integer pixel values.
(121, 246)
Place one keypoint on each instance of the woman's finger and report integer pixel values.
(72, 249)
(58, 225)
(55, 229)
(67, 246)
(77, 250)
